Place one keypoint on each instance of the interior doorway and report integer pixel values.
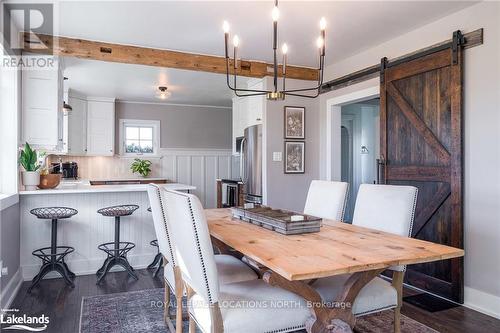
(359, 147)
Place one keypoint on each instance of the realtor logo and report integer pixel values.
(28, 17)
(27, 323)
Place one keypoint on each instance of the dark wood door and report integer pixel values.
(421, 142)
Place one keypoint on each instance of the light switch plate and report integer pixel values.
(277, 156)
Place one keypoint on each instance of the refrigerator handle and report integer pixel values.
(242, 165)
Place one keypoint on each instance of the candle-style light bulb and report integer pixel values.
(225, 27)
(275, 13)
(320, 42)
(284, 49)
(236, 41)
(322, 23)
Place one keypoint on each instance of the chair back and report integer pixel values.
(163, 234)
(389, 208)
(327, 199)
(192, 246)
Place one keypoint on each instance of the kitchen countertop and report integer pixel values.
(83, 186)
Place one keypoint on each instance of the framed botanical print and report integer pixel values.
(295, 122)
(295, 156)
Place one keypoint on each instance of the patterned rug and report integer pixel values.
(142, 311)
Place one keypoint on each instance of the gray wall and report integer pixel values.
(289, 191)
(183, 126)
(9, 241)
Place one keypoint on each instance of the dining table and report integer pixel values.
(294, 262)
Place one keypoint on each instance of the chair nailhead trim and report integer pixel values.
(200, 254)
(346, 196)
(376, 310)
(172, 257)
(288, 329)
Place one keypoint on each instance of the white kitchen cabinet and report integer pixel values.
(100, 127)
(42, 114)
(247, 111)
(77, 127)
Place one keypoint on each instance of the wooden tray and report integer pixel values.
(278, 220)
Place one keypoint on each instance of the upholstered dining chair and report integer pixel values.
(241, 307)
(327, 199)
(229, 268)
(386, 208)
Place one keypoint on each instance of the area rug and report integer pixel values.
(142, 311)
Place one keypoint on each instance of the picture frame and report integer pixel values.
(294, 122)
(295, 157)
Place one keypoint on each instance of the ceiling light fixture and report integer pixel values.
(163, 94)
(275, 93)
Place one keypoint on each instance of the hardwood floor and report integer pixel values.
(62, 304)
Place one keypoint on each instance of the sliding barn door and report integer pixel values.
(421, 143)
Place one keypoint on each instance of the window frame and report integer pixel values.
(155, 124)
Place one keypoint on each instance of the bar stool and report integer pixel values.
(117, 250)
(53, 256)
(158, 260)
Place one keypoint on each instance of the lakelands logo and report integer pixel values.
(24, 322)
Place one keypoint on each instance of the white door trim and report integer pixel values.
(333, 108)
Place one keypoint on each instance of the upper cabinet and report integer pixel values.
(42, 102)
(100, 127)
(247, 111)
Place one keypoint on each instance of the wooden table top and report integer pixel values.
(337, 249)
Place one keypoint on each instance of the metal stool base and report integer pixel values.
(157, 263)
(111, 262)
(158, 260)
(59, 267)
(53, 262)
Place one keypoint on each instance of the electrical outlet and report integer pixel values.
(277, 156)
(3, 270)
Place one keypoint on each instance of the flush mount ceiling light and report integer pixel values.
(163, 93)
(275, 94)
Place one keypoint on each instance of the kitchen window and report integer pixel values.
(139, 137)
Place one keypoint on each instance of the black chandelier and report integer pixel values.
(275, 94)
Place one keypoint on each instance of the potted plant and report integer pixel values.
(142, 167)
(31, 174)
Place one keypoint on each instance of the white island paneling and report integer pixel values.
(87, 229)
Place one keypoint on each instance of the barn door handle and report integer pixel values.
(381, 164)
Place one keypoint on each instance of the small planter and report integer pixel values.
(31, 180)
(49, 181)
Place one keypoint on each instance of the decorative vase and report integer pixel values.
(49, 181)
(31, 180)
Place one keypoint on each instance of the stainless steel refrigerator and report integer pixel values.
(251, 164)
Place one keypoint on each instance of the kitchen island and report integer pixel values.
(87, 229)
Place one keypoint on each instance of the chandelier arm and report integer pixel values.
(300, 95)
(251, 94)
(320, 81)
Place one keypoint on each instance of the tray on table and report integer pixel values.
(278, 220)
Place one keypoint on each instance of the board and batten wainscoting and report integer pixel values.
(197, 167)
(86, 230)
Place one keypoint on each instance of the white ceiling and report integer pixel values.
(191, 26)
(140, 83)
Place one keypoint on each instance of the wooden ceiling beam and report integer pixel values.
(87, 49)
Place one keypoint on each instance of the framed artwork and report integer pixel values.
(295, 122)
(295, 156)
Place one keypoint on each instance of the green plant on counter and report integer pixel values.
(29, 159)
(142, 167)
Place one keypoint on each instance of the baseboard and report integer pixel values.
(9, 292)
(482, 302)
(89, 266)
